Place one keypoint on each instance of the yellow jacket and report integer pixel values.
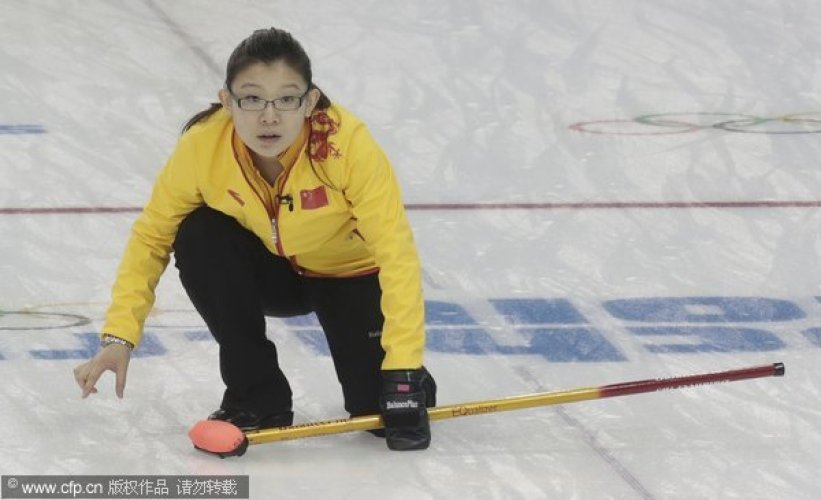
(359, 227)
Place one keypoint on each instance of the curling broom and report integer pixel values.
(225, 440)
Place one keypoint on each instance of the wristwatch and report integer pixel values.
(108, 339)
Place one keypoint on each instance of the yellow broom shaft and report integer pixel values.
(439, 413)
(513, 403)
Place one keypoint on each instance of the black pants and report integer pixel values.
(234, 282)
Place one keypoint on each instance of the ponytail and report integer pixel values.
(201, 116)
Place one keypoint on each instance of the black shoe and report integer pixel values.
(248, 421)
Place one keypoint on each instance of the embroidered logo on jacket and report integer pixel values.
(322, 127)
(310, 199)
(237, 197)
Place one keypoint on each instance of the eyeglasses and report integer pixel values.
(286, 103)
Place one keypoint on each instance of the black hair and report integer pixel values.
(265, 46)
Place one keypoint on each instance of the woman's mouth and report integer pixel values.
(268, 138)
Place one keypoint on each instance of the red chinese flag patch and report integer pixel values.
(313, 198)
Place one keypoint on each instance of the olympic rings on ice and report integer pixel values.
(682, 123)
(35, 320)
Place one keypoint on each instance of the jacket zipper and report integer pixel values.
(278, 199)
(273, 210)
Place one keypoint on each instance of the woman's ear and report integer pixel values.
(225, 99)
(313, 98)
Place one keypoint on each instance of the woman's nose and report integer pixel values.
(269, 114)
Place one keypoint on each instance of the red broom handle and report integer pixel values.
(651, 385)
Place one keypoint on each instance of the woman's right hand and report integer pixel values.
(114, 357)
